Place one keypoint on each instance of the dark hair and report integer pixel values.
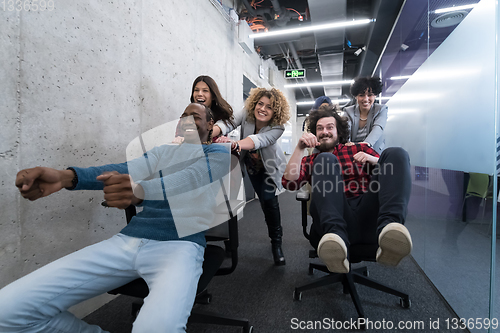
(330, 111)
(320, 100)
(209, 116)
(208, 111)
(362, 84)
(220, 108)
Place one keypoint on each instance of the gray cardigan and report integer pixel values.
(377, 119)
(266, 141)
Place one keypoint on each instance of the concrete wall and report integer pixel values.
(77, 84)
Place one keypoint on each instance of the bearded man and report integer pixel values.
(357, 195)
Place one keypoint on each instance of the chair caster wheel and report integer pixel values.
(248, 329)
(405, 303)
(204, 299)
(297, 295)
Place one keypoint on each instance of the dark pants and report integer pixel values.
(359, 220)
(266, 191)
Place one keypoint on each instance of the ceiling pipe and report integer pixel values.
(299, 64)
(367, 50)
(330, 44)
(249, 8)
(283, 14)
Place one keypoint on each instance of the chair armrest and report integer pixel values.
(302, 196)
(230, 205)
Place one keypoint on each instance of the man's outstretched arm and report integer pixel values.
(39, 182)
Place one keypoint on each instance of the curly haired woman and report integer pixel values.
(367, 119)
(262, 124)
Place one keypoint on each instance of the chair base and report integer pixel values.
(348, 280)
(204, 317)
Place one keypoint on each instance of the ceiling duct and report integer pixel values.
(331, 66)
(329, 43)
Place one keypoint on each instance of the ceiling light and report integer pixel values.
(403, 77)
(345, 100)
(451, 9)
(358, 51)
(312, 28)
(317, 84)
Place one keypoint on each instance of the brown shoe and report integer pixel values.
(333, 252)
(394, 244)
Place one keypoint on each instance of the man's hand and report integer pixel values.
(222, 139)
(178, 140)
(119, 189)
(308, 140)
(292, 170)
(39, 182)
(362, 157)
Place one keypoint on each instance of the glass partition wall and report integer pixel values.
(440, 76)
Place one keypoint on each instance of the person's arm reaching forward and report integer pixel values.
(39, 182)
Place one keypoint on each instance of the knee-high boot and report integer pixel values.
(272, 215)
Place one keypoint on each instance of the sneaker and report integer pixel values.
(333, 252)
(394, 244)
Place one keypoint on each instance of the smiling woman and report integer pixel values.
(206, 91)
(262, 124)
(367, 119)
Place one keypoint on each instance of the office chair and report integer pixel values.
(212, 265)
(357, 253)
(479, 185)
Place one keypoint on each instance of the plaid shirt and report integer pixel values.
(356, 176)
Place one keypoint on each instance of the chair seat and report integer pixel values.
(362, 252)
(357, 253)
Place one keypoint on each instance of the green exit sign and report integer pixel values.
(295, 73)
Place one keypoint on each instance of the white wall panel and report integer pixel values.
(444, 114)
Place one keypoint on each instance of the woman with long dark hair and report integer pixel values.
(206, 91)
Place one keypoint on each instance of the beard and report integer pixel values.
(327, 146)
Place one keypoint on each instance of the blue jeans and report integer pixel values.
(38, 302)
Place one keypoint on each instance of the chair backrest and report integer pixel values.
(226, 232)
(479, 184)
(231, 186)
